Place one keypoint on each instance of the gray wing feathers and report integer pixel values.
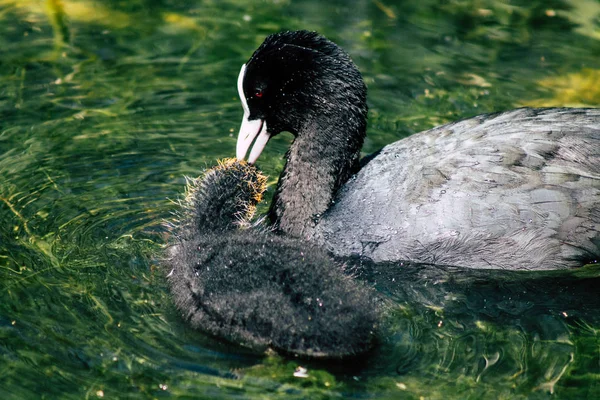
(518, 190)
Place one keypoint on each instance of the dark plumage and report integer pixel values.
(256, 289)
(514, 190)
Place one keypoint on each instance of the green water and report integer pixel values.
(105, 106)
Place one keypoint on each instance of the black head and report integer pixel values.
(289, 80)
(222, 199)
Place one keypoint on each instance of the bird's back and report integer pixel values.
(515, 190)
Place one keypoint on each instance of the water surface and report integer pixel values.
(105, 106)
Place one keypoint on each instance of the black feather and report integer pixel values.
(253, 288)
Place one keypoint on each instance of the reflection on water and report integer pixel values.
(491, 326)
(105, 106)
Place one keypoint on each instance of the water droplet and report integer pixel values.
(301, 372)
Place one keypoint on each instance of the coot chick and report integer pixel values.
(513, 190)
(243, 284)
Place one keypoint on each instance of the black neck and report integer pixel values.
(322, 158)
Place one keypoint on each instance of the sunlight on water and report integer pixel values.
(105, 107)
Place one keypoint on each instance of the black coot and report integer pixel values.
(514, 190)
(244, 284)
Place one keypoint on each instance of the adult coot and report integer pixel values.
(240, 283)
(516, 190)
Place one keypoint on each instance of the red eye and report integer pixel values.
(259, 93)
